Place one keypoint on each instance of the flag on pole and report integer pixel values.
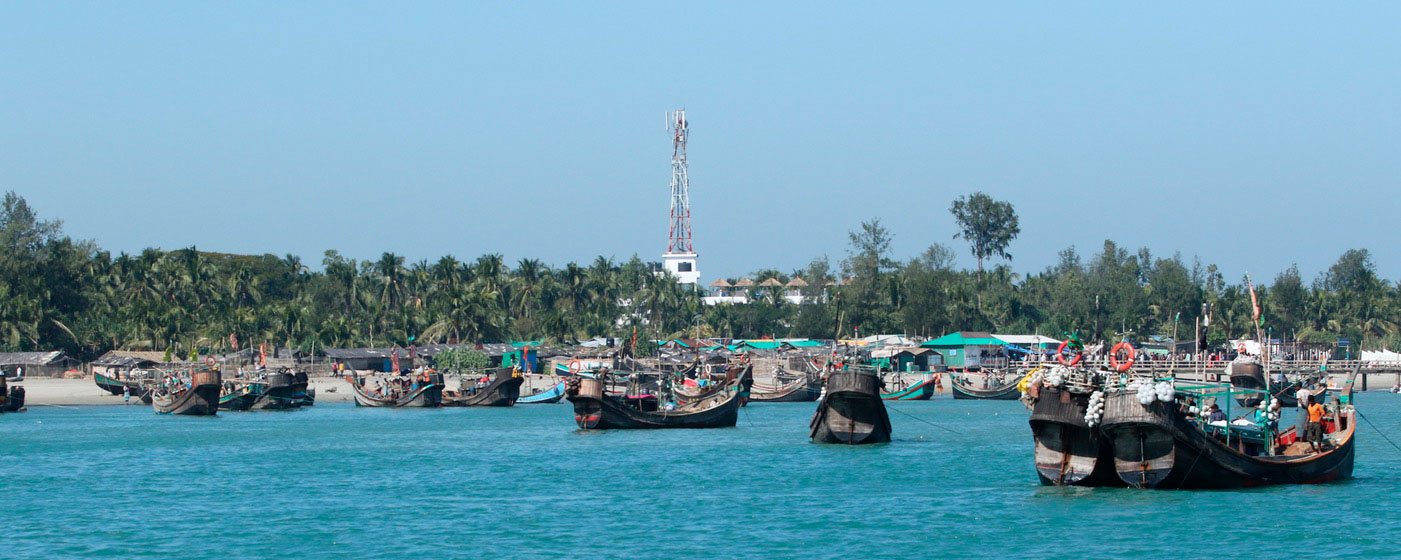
(1254, 303)
(394, 360)
(263, 354)
(233, 341)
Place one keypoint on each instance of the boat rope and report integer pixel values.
(944, 428)
(1379, 431)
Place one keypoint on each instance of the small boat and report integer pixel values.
(994, 386)
(921, 390)
(397, 392)
(852, 410)
(737, 377)
(200, 397)
(596, 410)
(1162, 441)
(801, 387)
(138, 388)
(237, 396)
(11, 396)
(503, 389)
(1250, 374)
(1067, 451)
(551, 395)
(276, 392)
(302, 390)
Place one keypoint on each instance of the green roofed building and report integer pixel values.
(969, 349)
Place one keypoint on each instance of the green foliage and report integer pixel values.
(461, 360)
(58, 293)
(987, 224)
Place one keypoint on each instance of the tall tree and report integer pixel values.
(988, 225)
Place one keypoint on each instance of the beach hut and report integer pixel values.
(37, 364)
(969, 349)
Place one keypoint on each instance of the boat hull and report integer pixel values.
(595, 411)
(504, 390)
(1067, 451)
(922, 391)
(429, 396)
(852, 412)
(201, 399)
(549, 396)
(806, 389)
(1156, 446)
(1007, 392)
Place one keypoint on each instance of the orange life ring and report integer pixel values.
(1240, 347)
(744, 358)
(209, 360)
(1060, 355)
(1114, 357)
(575, 366)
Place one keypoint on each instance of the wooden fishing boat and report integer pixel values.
(116, 386)
(237, 395)
(11, 396)
(992, 388)
(737, 378)
(1068, 451)
(426, 395)
(852, 411)
(1253, 378)
(199, 398)
(503, 390)
(1165, 445)
(803, 387)
(302, 390)
(921, 390)
(277, 392)
(551, 395)
(595, 410)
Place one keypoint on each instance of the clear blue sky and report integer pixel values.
(1253, 135)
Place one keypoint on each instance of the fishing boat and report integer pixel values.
(1162, 440)
(852, 410)
(11, 396)
(502, 388)
(277, 391)
(392, 391)
(137, 387)
(737, 377)
(1068, 450)
(594, 409)
(1250, 374)
(990, 385)
(302, 390)
(788, 387)
(920, 390)
(551, 395)
(237, 395)
(198, 397)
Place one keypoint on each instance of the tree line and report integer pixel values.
(66, 294)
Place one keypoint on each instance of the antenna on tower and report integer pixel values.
(680, 256)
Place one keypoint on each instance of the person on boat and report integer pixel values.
(1216, 415)
(1314, 433)
(126, 394)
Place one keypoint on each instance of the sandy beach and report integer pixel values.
(41, 391)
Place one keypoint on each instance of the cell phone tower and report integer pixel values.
(680, 256)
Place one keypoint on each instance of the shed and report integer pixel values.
(38, 364)
(969, 349)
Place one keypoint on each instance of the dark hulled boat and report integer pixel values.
(237, 396)
(1162, 445)
(503, 389)
(425, 395)
(596, 410)
(276, 392)
(995, 388)
(302, 390)
(11, 396)
(118, 386)
(199, 398)
(802, 387)
(1068, 451)
(852, 411)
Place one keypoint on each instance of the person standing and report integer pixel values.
(1314, 433)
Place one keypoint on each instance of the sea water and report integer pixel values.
(335, 481)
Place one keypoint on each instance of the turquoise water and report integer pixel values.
(337, 481)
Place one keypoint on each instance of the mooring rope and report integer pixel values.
(949, 430)
(1379, 431)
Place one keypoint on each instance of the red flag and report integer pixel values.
(233, 341)
(263, 354)
(1254, 301)
(394, 360)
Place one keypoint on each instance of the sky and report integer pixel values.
(1251, 135)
